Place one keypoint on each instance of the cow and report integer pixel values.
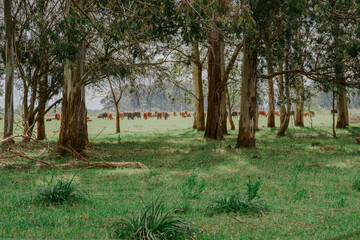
(89, 120)
(146, 115)
(109, 116)
(334, 111)
(137, 115)
(188, 115)
(204, 114)
(277, 113)
(262, 113)
(130, 116)
(154, 115)
(102, 115)
(292, 113)
(48, 119)
(234, 114)
(57, 116)
(183, 114)
(306, 114)
(159, 115)
(312, 113)
(174, 114)
(121, 115)
(166, 115)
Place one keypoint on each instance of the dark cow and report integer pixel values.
(166, 115)
(48, 119)
(102, 115)
(234, 114)
(137, 115)
(292, 113)
(334, 111)
(130, 116)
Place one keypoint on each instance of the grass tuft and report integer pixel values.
(242, 203)
(153, 223)
(356, 185)
(60, 191)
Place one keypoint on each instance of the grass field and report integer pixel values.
(307, 180)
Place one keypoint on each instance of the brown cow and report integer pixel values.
(183, 114)
(262, 113)
(48, 119)
(174, 114)
(121, 115)
(188, 115)
(109, 115)
(277, 113)
(146, 115)
(89, 120)
(306, 114)
(57, 116)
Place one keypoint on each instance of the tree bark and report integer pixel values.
(285, 124)
(299, 106)
(281, 97)
(341, 107)
(73, 131)
(199, 118)
(223, 111)
(246, 137)
(215, 94)
(41, 134)
(271, 112)
(232, 125)
(9, 72)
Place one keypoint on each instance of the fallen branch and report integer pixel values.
(103, 164)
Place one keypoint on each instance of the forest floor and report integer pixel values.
(307, 180)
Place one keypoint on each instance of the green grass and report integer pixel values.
(307, 182)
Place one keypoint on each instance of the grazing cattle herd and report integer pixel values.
(165, 115)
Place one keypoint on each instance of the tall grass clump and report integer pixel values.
(356, 184)
(60, 191)
(153, 222)
(248, 202)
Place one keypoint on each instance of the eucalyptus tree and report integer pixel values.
(9, 69)
(36, 64)
(259, 15)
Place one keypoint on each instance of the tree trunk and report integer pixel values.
(73, 131)
(257, 116)
(199, 118)
(346, 111)
(281, 97)
(285, 124)
(9, 72)
(299, 107)
(341, 111)
(232, 125)
(271, 112)
(246, 137)
(41, 134)
(213, 121)
(117, 117)
(223, 111)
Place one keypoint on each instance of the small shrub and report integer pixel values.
(356, 185)
(243, 203)
(153, 223)
(60, 191)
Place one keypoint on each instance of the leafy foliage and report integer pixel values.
(60, 191)
(153, 222)
(243, 203)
